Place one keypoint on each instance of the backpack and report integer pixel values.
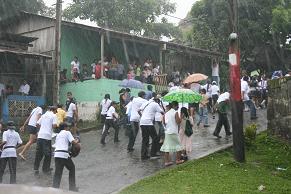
(188, 128)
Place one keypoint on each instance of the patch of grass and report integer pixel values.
(219, 173)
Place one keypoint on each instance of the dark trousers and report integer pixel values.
(132, 134)
(147, 132)
(252, 108)
(110, 123)
(12, 161)
(222, 120)
(43, 149)
(60, 163)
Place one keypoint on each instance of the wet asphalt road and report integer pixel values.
(109, 168)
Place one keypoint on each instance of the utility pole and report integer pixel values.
(57, 57)
(235, 85)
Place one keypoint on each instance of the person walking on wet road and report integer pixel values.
(47, 123)
(172, 142)
(111, 121)
(10, 141)
(222, 108)
(134, 119)
(63, 158)
(147, 112)
(31, 127)
(246, 99)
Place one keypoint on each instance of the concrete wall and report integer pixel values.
(90, 93)
(279, 107)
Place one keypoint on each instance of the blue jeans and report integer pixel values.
(203, 113)
(252, 107)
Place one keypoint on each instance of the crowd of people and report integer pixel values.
(112, 69)
(43, 124)
(165, 126)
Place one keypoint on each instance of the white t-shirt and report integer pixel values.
(215, 69)
(170, 122)
(263, 85)
(63, 139)
(245, 88)
(111, 111)
(24, 89)
(208, 91)
(158, 115)
(71, 109)
(136, 104)
(12, 138)
(105, 104)
(149, 109)
(34, 114)
(214, 90)
(75, 65)
(46, 123)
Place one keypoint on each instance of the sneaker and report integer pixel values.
(218, 136)
(229, 134)
(36, 172)
(130, 150)
(75, 189)
(102, 142)
(145, 157)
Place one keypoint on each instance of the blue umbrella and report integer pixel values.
(131, 83)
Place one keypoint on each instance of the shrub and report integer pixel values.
(250, 133)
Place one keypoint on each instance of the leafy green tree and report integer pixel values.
(9, 8)
(135, 16)
(264, 26)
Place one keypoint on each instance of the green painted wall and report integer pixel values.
(78, 42)
(93, 90)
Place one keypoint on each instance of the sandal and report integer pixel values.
(22, 157)
(180, 162)
(168, 164)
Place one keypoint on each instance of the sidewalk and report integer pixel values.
(107, 169)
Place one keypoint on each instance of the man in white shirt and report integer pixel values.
(31, 128)
(63, 158)
(10, 141)
(134, 119)
(263, 86)
(24, 88)
(47, 123)
(245, 97)
(215, 72)
(149, 109)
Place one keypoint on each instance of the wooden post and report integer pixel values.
(56, 85)
(235, 87)
(102, 54)
(43, 77)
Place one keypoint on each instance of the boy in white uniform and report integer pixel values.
(63, 158)
(11, 140)
(47, 123)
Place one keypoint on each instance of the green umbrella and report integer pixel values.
(183, 96)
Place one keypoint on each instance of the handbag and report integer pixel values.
(188, 128)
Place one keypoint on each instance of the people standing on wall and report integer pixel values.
(75, 69)
(111, 121)
(47, 123)
(10, 141)
(147, 112)
(134, 119)
(24, 88)
(215, 72)
(31, 122)
(63, 158)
